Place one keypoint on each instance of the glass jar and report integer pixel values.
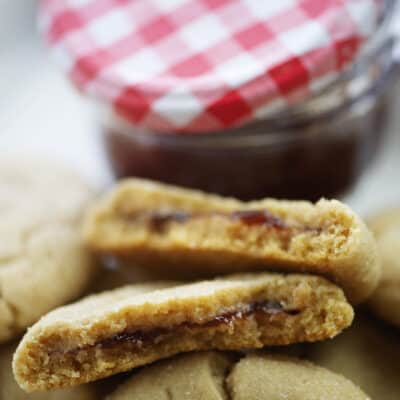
(316, 148)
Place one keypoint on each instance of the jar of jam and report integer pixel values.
(239, 98)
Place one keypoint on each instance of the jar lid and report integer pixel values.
(193, 66)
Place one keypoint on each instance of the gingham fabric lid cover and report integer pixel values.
(193, 66)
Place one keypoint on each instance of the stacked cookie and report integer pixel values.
(263, 274)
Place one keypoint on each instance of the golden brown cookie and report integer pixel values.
(9, 390)
(118, 330)
(261, 376)
(216, 376)
(368, 353)
(156, 225)
(43, 263)
(385, 301)
(193, 376)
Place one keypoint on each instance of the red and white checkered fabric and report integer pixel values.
(204, 65)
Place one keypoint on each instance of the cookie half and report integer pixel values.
(261, 376)
(122, 329)
(217, 376)
(162, 226)
(385, 301)
(43, 263)
(368, 353)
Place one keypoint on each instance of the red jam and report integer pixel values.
(140, 338)
(316, 159)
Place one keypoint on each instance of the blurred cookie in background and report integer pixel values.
(44, 190)
(193, 376)
(385, 301)
(219, 376)
(43, 263)
(384, 221)
(262, 376)
(367, 353)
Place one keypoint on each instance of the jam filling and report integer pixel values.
(247, 217)
(142, 338)
(259, 217)
(158, 220)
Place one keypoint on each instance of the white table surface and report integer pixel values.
(41, 114)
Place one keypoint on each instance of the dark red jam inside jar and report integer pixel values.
(318, 148)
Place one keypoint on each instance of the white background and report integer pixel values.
(40, 114)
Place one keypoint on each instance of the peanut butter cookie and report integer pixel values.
(136, 325)
(385, 301)
(156, 225)
(217, 376)
(368, 353)
(193, 376)
(261, 376)
(43, 263)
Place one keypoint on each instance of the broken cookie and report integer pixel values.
(136, 325)
(156, 225)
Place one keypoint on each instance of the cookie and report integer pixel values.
(384, 221)
(43, 263)
(156, 225)
(41, 191)
(9, 390)
(368, 354)
(216, 376)
(261, 376)
(193, 376)
(385, 301)
(122, 329)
